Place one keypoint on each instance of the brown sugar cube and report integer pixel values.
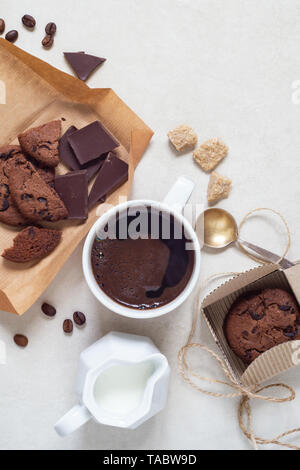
(183, 137)
(218, 187)
(210, 153)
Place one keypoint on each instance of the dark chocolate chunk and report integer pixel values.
(83, 64)
(113, 173)
(68, 156)
(256, 316)
(79, 318)
(91, 142)
(290, 332)
(48, 310)
(72, 188)
(21, 340)
(68, 326)
(284, 308)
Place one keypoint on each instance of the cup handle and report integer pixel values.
(72, 420)
(180, 193)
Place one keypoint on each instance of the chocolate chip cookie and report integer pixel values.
(32, 243)
(9, 213)
(41, 143)
(259, 321)
(46, 172)
(35, 199)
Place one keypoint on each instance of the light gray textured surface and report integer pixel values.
(227, 71)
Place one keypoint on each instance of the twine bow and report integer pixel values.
(245, 393)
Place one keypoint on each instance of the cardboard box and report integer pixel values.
(217, 304)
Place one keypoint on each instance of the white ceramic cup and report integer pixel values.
(174, 203)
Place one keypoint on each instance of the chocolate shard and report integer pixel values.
(91, 142)
(72, 188)
(113, 173)
(68, 156)
(83, 64)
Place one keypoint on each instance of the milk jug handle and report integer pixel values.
(72, 420)
(180, 193)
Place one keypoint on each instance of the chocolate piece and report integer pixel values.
(79, 318)
(68, 326)
(113, 173)
(83, 64)
(72, 188)
(12, 35)
(32, 243)
(48, 310)
(28, 21)
(68, 157)
(21, 340)
(91, 142)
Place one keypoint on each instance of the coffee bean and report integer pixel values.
(68, 326)
(2, 25)
(79, 318)
(47, 41)
(21, 340)
(28, 21)
(50, 29)
(48, 310)
(12, 35)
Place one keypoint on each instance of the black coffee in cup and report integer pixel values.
(145, 262)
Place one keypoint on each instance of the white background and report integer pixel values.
(225, 68)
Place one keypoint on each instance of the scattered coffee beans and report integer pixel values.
(79, 318)
(68, 326)
(47, 41)
(21, 340)
(2, 25)
(12, 35)
(50, 29)
(48, 310)
(28, 21)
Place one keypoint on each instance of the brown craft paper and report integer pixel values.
(36, 93)
(217, 304)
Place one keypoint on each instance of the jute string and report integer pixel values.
(245, 393)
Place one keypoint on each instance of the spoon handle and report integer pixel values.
(266, 254)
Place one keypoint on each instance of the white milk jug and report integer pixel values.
(122, 381)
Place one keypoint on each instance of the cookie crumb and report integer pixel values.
(218, 187)
(183, 137)
(210, 154)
